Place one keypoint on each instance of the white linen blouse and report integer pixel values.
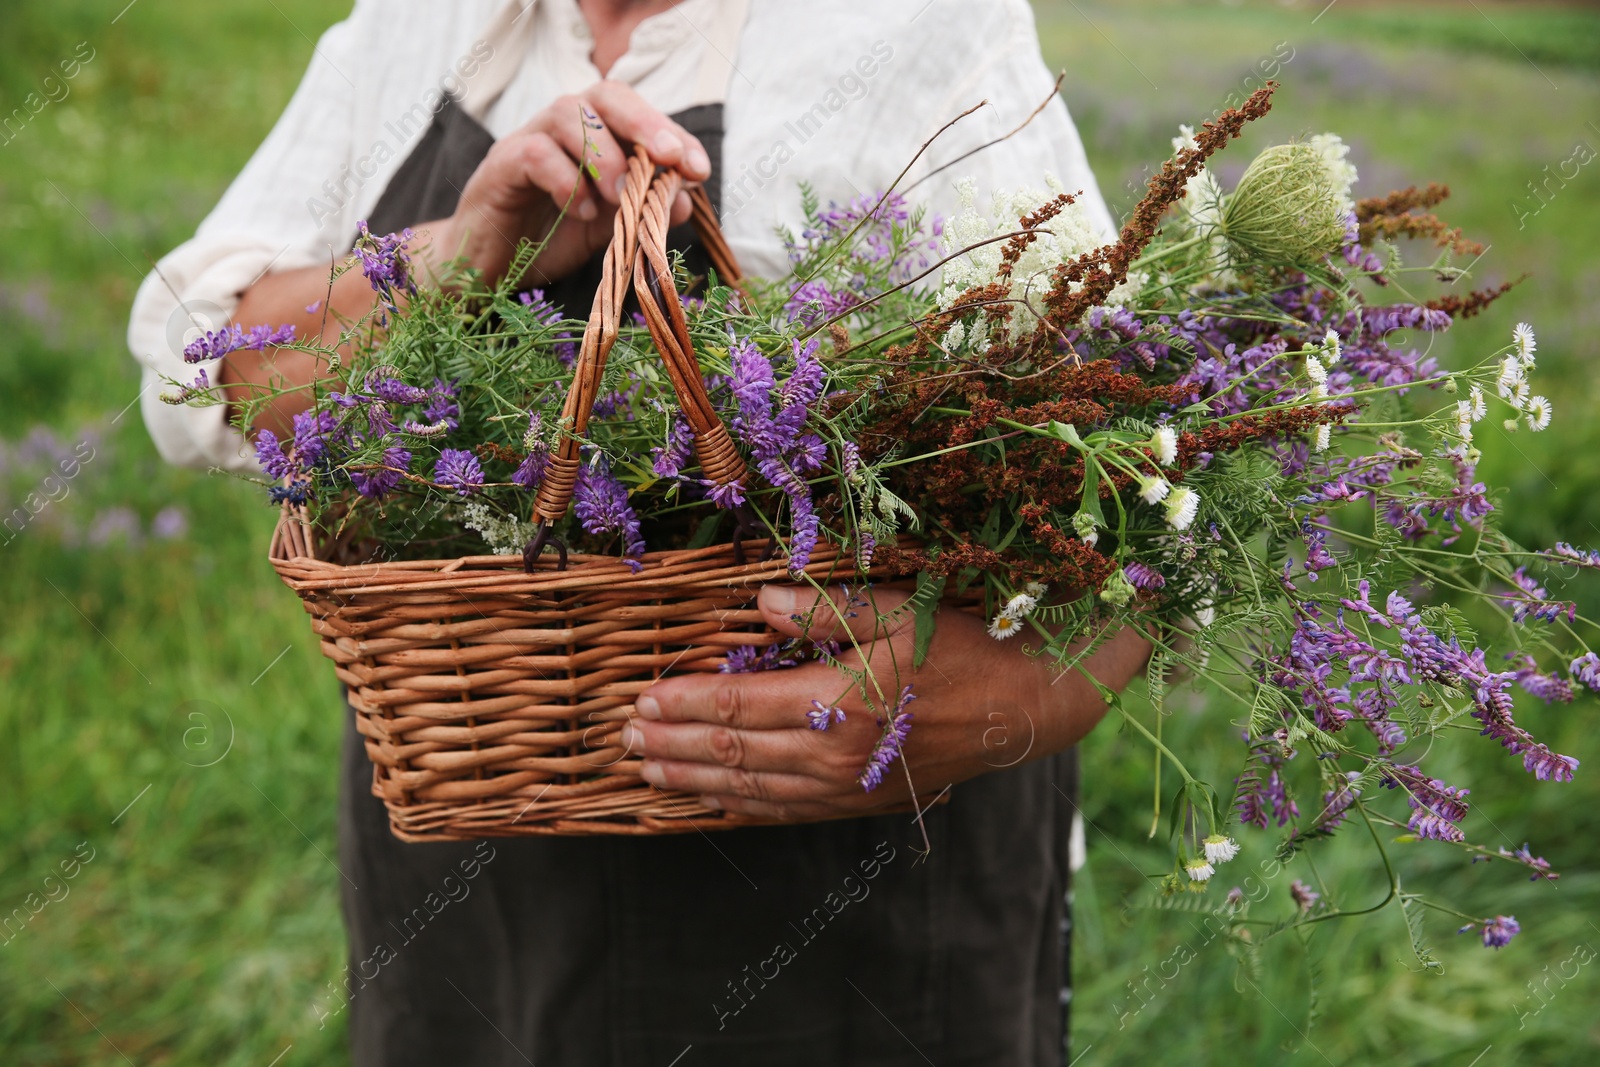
(837, 93)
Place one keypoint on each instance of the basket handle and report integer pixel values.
(638, 253)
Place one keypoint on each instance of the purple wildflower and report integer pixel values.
(312, 436)
(1337, 801)
(385, 263)
(270, 455)
(601, 503)
(1141, 576)
(214, 344)
(169, 524)
(442, 405)
(890, 743)
(1533, 600)
(375, 483)
(1537, 864)
(1436, 808)
(675, 455)
(1497, 932)
(820, 717)
(1566, 553)
(1550, 688)
(1263, 799)
(1586, 669)
(458, 469)
(1304, 896)
(393, 391)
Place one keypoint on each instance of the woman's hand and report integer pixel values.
(742, 740)
(530, 176)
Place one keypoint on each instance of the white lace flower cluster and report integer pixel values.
(505, 535)
(1065, 237)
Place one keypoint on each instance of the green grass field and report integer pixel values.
(168, 729)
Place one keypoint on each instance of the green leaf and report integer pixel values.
(706, 532)
(929, 590)
(1091, 489)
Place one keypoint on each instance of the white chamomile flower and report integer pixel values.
(1526, 345)
(1538, 413)
(1020, 606)
(1511, 374)
(1316, 371)
(1165, 444)
(1322, 438)
(1199, 870)
(1479, 407)
(1334, 350)
(1154, 490)
(1464, 420)
(1521, 400)
(1036, 589)
(1220, 848)
(1004, 626)
(1181, 507)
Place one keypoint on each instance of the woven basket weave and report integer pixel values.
(491, 691)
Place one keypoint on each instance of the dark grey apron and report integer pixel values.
(812, 946)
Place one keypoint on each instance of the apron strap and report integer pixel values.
(510, 33)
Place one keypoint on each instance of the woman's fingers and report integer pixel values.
(576, 127)
(835, 755)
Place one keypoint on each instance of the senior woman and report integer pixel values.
(842, 941)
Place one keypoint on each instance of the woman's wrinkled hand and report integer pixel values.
(743, 741)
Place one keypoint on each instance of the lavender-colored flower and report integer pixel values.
(890, 743)
(1550, 688)
(601, 504)
(1263, 799)
(313, 436)
(1497, 932)
(1533, 601)
(458, 469)
(1586, 670)
(297, 492)
(1337, 801)
(385, 263)
(375, 483)
(1436, 808)
(214, 344)
(821, 716)
(114, 523)
(442, 405)
(1537, 864)
(1141, 576)
(1304, 896)
(169, 524)
(392, 390)
(270, 455)
(675, 455)
(1589, 559)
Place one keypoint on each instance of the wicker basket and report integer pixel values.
(491, 691)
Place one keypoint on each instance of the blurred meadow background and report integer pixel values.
(168, 730)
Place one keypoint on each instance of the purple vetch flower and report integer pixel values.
(270, 455)
(385, 263)
(298, 491)
(442, 405)
(748, 659)
(169, 524)
(392, 390)
(1336, 802)
(1263, 799)
(601, 504)
(186, 393)
(728, 495)
(1586, 669)
(890, 743)
(821, 716)
(214, 344)
(313, 436)
(1550, 688)
(1497, 932)
(1141, 576)
(1533, 601)
(1304, 896)
(458, 469)
(850, 461)
(375, 483)
(1566, 553)
(1537, 864)
(1436, 808)
(675, 455)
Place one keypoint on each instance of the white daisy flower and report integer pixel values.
(1511, 374)
(1335, 350)
(1004, 626)
(1020, 606)
(1153, 490)
(1316, 371)
(1521, 399)
(1036, 589)
(1181, 507)
(1165, 444)
(1523, 336)
(1220, 849)
(1538, 413)
(1479, 407)
(1199, 870)
(1322, 438)
(1464, 420)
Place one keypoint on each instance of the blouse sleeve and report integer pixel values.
(275, 216)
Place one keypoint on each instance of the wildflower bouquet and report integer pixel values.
(1217, 428)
